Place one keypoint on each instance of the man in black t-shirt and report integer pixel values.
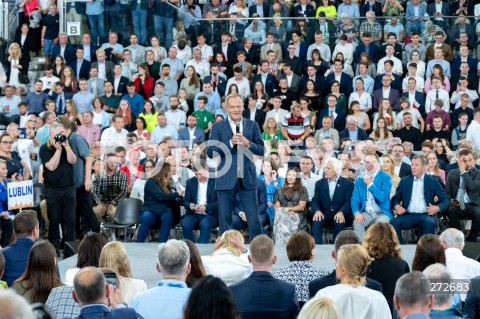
(58, 160)
(50, 31)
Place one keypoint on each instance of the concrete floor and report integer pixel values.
(143, 257)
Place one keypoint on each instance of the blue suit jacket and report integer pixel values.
(455, 66)
(222, 83)
(308, 11)
(431, 188)
(16, 256)
(262, 200)
(361, 136)
(84, 69)
(319, 82)
(345, 83)
(103, 312)
(270, 84)
(380, 190)
(445, 10)
(191, 193)
(338, 124)
(420, 98)
(377, 8)
(396, 83)
(68, 54)
(184, 135)
(341, 197)
(374, 52)
(267, 297)
(411, 10)
(394, 99)
(221, 132)
(156, 200)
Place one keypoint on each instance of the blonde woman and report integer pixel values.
(114, 256)
(271, 135)
(352, 298)
(229, 260)
(319, 308)
(433, 167)
(15, 66)
(72, 112)
(387, 165)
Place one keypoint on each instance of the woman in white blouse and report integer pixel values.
(229, 260)
(363, 98)
(241, 9)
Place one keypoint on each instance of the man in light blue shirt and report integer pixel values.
(439, 59)
(94, 13)
(163, 130)
(256, 34)
(176, 65)
(134, 99)
(9, 106)
(214, 101)
(168, 298)
(83, 99)
(350, 8)
(170, 84)
(368, 82)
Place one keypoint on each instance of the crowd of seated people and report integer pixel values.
(368, 112)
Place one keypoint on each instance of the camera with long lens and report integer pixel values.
(60, 138)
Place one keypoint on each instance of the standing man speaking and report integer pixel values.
(236, 140)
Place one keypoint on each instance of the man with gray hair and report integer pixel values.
(352, 131)
(254, 295)
(442, 300)
(171, 292)
(58, 159)
(413, 297)
(371, 197)
(14, 306)
(97, 298)
(332, 207)
(461, 267)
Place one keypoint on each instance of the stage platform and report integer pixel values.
(143, 257)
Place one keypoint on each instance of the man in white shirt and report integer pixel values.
(412, 73)
(115, 135)
(49, 79)
(241, 82)
(308, 177)
(461, 267)
(345, 48)
(184, 51)
(397, 64)
(324, 49)
(473, 131)
(175, 116)
(277, 112)
(205, 49)
(437, 93)
(201, 66)
(462, 89)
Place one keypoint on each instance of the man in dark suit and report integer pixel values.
(331, 201)
(119, 82)
(417, 99)
(200, 202)
(254, 113)
(235, 30)
(345, 237)
(88, 47)
(238, 137)
(397, 47)
(393, 94)
(345, 79)
(227, 46)
(95, 296)
(265, 77)
(239, 218)
(303, 9)
(472, 301)
(296, 64)
(463, 187)
(105, 67)
(191, 134)
(80, 66)
(318, 78)
(217, 80)
(437, 15)
(60, 97)
(261, 295)
(259, 9)
(252, 54)
(353, 132)
(293, 79)
(402, 169)
(367, 46)
(337, 115)
(414, 200)
(463, 58)
(26, 229)
(64, 49)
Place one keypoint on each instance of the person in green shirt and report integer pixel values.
(111, 100)
(204, 117)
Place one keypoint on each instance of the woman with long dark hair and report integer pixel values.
(313, 94)
(197, 271)
(159, 192)
(191, 83)
(144, 82)
(40, 275)
(430, 250)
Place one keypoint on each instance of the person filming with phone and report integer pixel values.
(58, 160)
(99, 297)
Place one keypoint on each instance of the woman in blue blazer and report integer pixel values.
(159, 192)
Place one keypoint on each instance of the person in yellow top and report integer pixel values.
(150, 115)
(328, 8)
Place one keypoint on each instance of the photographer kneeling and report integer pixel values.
(58, 159)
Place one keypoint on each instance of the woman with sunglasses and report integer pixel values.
(17, 169)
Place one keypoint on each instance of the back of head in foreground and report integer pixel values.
(262, 253)
(173, 260)
(319, 308)
(14, 306)
(412, 294)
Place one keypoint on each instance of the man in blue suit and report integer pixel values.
(191, 134)
(367, 46)
(415, 21)
(438, 15)
(414, 200)
(95, 297)
(80, 66)
(265, 77)
(68, 49)
(261, 295)
(331, 202)
(200, 202)
(239, 218)
(235, 139)
(345, 79)
(371, 197)
(26, 229)
(353, 132)
(335, 114)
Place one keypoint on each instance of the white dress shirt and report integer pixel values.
(417, 202)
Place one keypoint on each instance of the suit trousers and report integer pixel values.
(227, 201)
(149, 220)
(370, 218)
(204, 222)
(317, 227)
(425, 222)
(455, 214)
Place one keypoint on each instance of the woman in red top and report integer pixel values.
(133, 169)
(144, 82)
